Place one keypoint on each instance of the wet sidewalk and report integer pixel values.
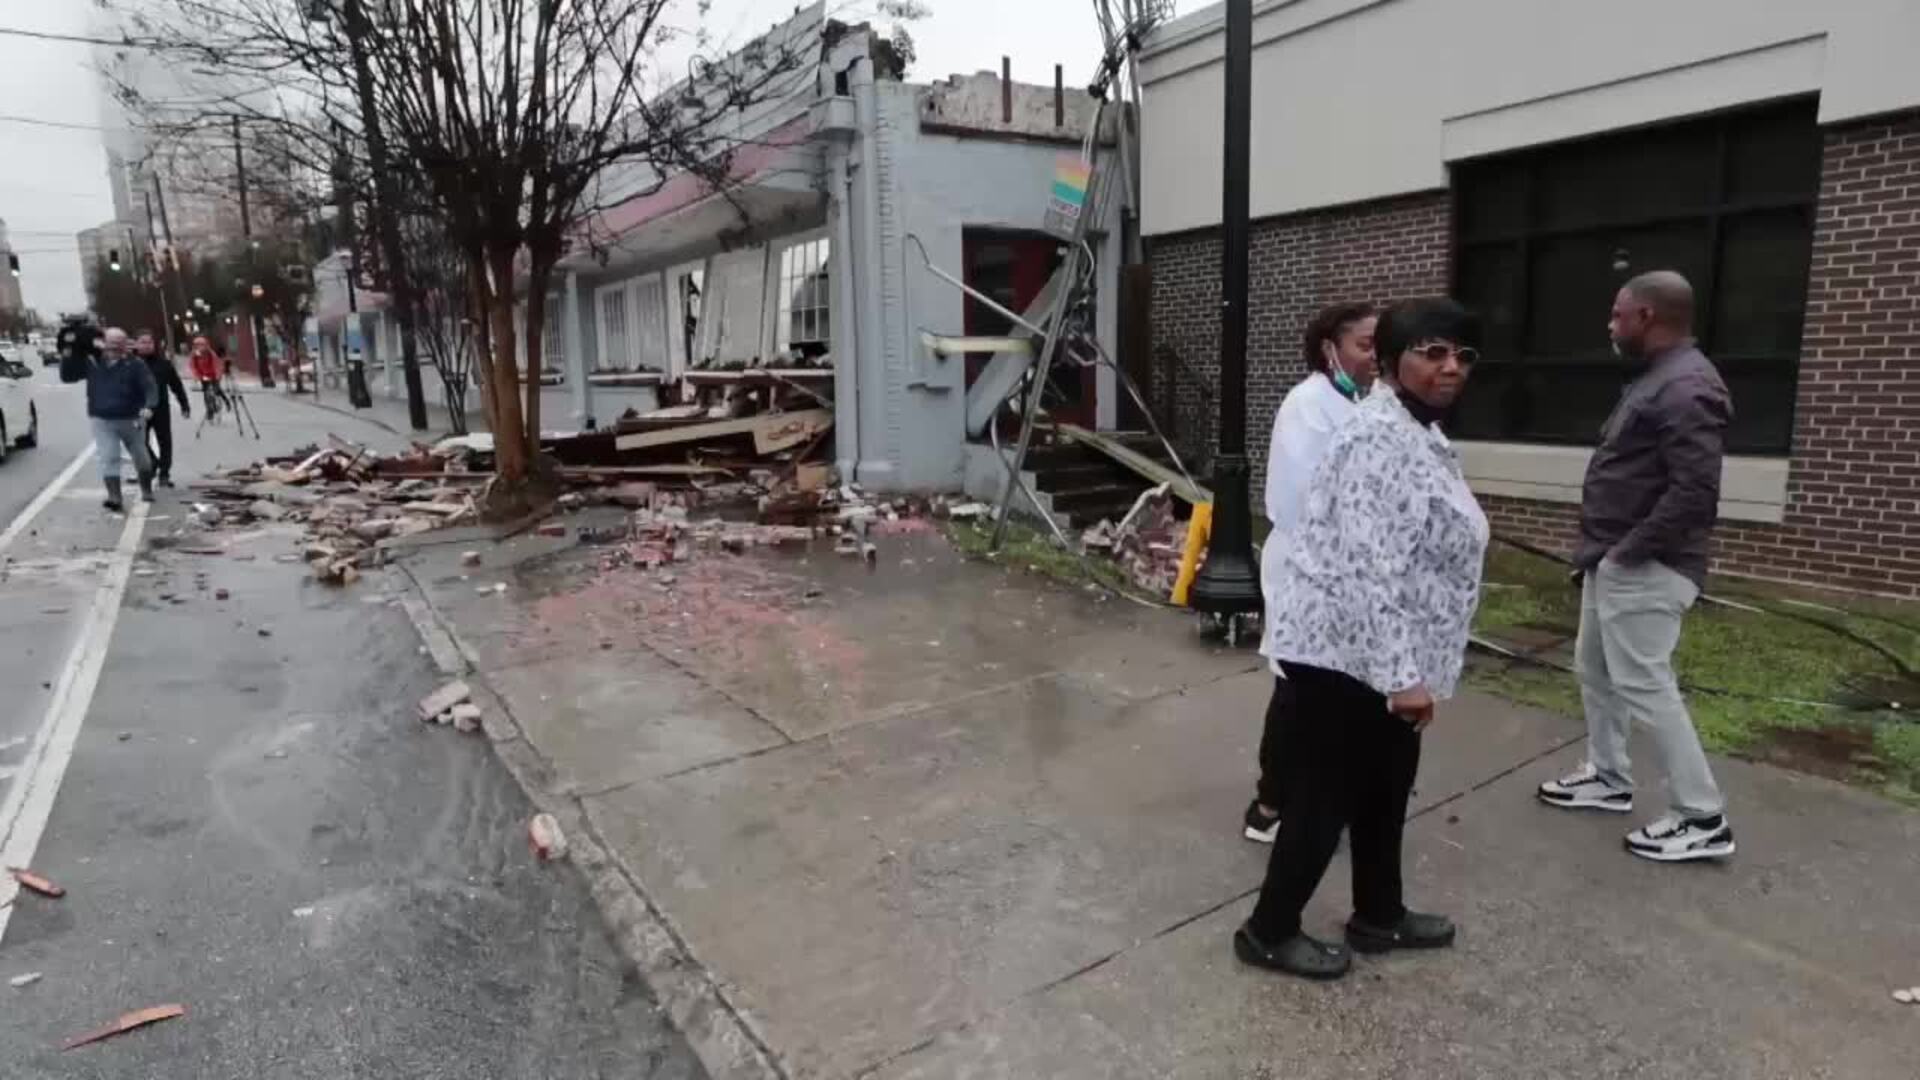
(932, 819)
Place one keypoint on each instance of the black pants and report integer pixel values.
(160, 439)
(1272, 790)
(1349, 763)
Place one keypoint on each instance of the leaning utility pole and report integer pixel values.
(246, 233)
(386, 211)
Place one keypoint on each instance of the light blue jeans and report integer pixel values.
(109, 436)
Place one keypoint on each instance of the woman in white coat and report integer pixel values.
(1338, 352)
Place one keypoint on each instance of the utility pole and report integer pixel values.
(386, 210)
(1229, 584)
(246, 233)
(160, 283)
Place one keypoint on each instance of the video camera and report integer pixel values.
(77, 337)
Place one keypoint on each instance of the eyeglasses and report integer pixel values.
(1436, 352)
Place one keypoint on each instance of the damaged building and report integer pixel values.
(805, 279)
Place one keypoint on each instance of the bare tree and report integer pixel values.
(518, 119)
(445, 312)
(514, 111)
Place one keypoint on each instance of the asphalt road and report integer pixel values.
(250, 823)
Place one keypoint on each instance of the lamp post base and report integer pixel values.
(1229, 583)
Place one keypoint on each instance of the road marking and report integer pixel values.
(29, 802)
(40, 501)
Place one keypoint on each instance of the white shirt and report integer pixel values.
(1381, 574)
(1302, 428)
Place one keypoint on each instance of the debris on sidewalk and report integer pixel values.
(545, 838)
(466, 717)
(137, 1019)
(35, 883)
(1146, 543)
(444, 699)
(1907, 995)
(27, 979)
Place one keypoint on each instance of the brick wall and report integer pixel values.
(1853, 493)
(1298, 264)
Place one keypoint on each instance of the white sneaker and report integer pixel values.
(1678, 839)
(1584, 790)
(1257, 826)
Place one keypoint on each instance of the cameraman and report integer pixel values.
(121, 396)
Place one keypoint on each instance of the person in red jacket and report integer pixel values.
(206, 371)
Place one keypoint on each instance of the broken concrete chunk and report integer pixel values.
(266, 511)
(466, 717)
(374, 528)
(444, 699)
(545, 838)
(469, 558)
(27, 979)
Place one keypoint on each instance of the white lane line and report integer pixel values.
(40, 501)
(29, 802)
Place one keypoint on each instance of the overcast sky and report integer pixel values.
(53, 181)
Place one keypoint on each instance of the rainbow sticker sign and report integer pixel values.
(1071, 175)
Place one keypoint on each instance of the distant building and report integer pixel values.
(96, 247)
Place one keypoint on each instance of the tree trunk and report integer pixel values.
(536, 350)
(386, 214)
(510, 441)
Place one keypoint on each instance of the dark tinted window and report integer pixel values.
(1545, 238)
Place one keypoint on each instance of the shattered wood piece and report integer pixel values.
(200, 549)
(35, 883)
(466, 717)
(137, 1019)
(771, 432)
(812, 476)
(551, 528)
(444, 509)
(545, 838)
(444, 699)
(411, 526)
(968, 511)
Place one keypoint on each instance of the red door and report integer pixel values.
(1012, 267)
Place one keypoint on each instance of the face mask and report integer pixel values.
(1342, 381)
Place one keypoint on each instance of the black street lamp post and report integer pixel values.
(1229, 584)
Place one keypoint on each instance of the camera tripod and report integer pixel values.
(225, 391)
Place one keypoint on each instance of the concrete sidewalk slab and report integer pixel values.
(932, 819)
(607, 719)
(1575, 959)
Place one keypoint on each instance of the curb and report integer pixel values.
(720, 1036)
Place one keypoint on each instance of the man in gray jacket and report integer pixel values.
(1647, 509)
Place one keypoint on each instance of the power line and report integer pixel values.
(77, 39)
(51, 123)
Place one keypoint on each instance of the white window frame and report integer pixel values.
(553, 337)
(803, 257)
(648, 307)
(734, 278)
(605, 359)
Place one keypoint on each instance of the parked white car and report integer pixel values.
(19, 416)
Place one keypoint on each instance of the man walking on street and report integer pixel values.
(167, 378)
(1648, 507)
(121, 395)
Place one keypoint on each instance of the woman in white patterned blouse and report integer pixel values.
(1370, 614)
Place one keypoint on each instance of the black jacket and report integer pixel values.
(1652, 490)
(166, 377)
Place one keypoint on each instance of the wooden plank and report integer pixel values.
(771, 433)
(1148, 468)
